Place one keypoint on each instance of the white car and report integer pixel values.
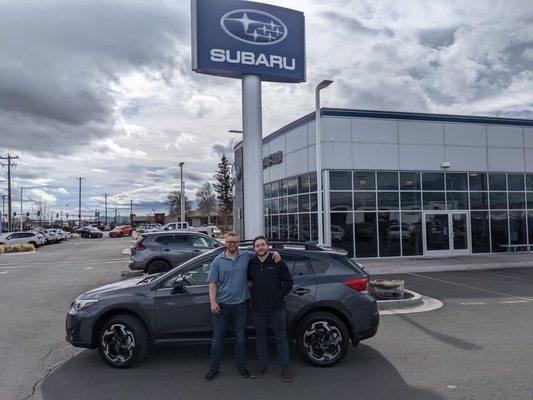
(50, 236)
(60, 234)
(12, 238)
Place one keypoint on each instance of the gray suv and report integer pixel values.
(328, 309)
(157, 252)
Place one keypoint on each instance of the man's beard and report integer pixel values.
(261, 253)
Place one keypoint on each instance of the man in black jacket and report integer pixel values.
(271, 282)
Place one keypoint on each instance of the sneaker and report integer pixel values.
(211, 375)
(244, 372)
(258, 373)
(286, 374)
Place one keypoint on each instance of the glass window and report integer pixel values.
(275, 227)
(387, 181)
(517, 201)
(478, 201)
(529, 181)
(274, 206)
(198, 275)
(293, 226)
(305, 227)
(283, 187)
(498, 201)
(341, 201)
(365, 234)
(293, 204)
(313, 202)
(268, 227)
(530, 225)
(283, 230)
(298, 266)
(303, 183)
(456, 181)
(267, 190)
(292, 185)
(318, 266)
(274, 189)
(267, 207)
(498, 230)
(432, 181)
(388, 200)
(389, 234)
(410, 181)
(530, 200)
(517, 227)
(411, 233)
(410, 201)
(201, 241)
(477, 181)
(497, 182)
(342, 231)
(303, 203)
(314, 226)
(312, 181)
(364, 180)
(457, 200)
(515, 181)
(434, 200)
(479, 228)
(364, 201)
(340, 180)
(283, 205)
(178, 241)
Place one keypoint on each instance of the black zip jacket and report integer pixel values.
(271, 282)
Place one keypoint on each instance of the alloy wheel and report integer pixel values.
(322, 341)
(118, 343)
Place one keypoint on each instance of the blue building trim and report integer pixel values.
(341, 112)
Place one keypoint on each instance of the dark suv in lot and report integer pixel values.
(329, 308)
(155, 252)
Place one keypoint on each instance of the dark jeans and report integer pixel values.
(277, 319)
(237, 314)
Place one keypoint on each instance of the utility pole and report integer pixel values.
(21, 208)
(10, 165)
(182, 195)
(105, 195)
(131, 212)
(115, 216)
(3, 210)
(79, 202)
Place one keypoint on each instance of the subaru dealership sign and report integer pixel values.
(233, 38)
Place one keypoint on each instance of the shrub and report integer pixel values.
(28, 247)
(2, 248)
(16, 248)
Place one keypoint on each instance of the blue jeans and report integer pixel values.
(237, 314)
(278, 321)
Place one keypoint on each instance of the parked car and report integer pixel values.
(90, 232)
(148, 228)
(12, 238)
(211, 230)
(60, 235)
(328, 308)
(50, 236)
(121, 230)
(155, 252)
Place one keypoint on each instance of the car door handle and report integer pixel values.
(301, 291)
(166, 249)
(196, 250)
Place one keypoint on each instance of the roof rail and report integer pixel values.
(281, 244)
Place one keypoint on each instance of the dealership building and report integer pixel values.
(399, 184)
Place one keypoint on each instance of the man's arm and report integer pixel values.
(286, 279)
(212, 278)
(275, 255)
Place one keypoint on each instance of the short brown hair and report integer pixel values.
(260, 237)
(231, 233)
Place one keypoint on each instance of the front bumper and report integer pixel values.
(79, 330)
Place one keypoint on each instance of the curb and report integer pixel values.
(130, 274)
(414, 301)
(385, 270)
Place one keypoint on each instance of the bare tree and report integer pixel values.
(206, 199)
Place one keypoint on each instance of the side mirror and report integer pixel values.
(216, 244)
(179, 286)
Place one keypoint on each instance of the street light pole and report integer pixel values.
(319, 87)
(21, 208)
(182, 195)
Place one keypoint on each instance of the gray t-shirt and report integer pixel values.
(230, 277)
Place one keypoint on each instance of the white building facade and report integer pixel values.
(399, 184)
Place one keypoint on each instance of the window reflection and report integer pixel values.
(365, 234)
(342, 231)
(411, 231)
(389, 234)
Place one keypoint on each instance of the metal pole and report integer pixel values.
(319, 167)
(131, 212)
(21, 209)
(106, 209)
(182, 196)
(79, 202)
(252, 157)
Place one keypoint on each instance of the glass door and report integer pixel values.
(446, 233)
(437, 232)
(459, 231)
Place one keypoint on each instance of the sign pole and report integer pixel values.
(252, 157)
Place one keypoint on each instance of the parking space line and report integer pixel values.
(514, 301)
(471, 287)
(479, 303)
(4, 272)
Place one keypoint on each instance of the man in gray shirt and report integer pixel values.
(228, 294)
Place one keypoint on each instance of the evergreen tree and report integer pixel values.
(223, 187)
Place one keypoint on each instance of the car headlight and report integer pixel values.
(80, 305)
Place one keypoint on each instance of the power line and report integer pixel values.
(10, 165)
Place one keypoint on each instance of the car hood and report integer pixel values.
(113, 288)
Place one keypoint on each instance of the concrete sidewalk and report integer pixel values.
(452, 263)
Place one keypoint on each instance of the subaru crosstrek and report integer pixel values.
(328, 308)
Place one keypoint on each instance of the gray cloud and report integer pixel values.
(437, 38)
(354, 25)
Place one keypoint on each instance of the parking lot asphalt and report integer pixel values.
(478, 346)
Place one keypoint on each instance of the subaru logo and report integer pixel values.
(254, 27)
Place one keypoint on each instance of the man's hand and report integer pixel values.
(276, 256)
(215, 308)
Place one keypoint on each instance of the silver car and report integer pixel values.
(20, 238)
(155, 252)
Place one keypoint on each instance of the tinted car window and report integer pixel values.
(201, 267)
(318, 266)
(349, 263)
(200, 241)
(162, 239)
(299, 266)
(178, 241)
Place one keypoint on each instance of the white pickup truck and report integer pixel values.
(184, 226)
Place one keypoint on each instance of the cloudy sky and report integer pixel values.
(103, 89)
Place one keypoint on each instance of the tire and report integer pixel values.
(123, 341)
(323, 339)
(158, 266)
(34, 244)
